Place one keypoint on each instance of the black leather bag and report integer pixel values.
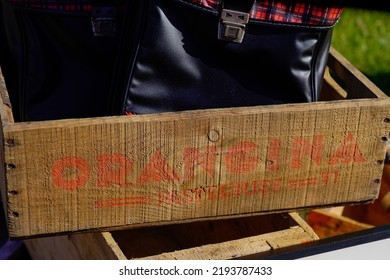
(225, 53)
(83, 58)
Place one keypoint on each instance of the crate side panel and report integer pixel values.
(6, 118)
(88, 246)
(3, 181)
(5, 103)
(110, 172)
(356, 83)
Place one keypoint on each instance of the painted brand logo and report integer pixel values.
(72, 172)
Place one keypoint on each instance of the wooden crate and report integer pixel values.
(68, 176)
(218, 239)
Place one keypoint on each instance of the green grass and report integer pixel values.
(363, 37)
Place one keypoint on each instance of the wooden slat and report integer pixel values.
(221, 239)
(5, 117)
(244, 247)
(239, 248)
(72, 175)
(331, 90)
(357, 85)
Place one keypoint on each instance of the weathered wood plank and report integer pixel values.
(88, 246)
(290, 234)
(5, 117)
(75, 175)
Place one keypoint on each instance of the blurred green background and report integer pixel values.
(363, 37)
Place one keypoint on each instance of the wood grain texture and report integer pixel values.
(5, 117)
(72, 175)
(88, 246)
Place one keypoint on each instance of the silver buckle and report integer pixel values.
(232, 25)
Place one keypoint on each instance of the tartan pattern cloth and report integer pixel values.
(286, 11)
(296, 12)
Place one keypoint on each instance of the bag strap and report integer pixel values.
(233, 19)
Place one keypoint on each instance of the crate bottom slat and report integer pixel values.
(220, 239)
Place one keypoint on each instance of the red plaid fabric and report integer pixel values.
(291, 11)
(297, 12)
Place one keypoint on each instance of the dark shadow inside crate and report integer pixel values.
(149, 241)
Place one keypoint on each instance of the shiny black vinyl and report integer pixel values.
(164, 56)
(181, 65)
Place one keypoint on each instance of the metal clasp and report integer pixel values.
(232, 25)
(103, 21)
